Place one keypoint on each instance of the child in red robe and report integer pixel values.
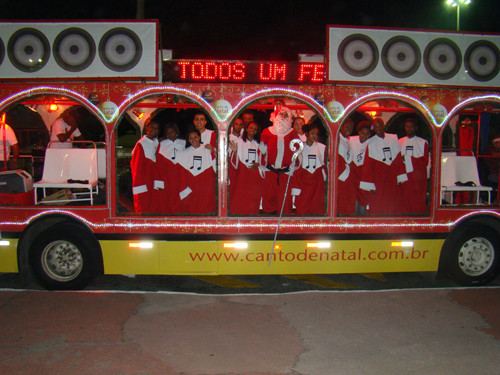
(309, 179)
(247, 179)
(197, 185)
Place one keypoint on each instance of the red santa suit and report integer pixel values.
(358, 151)
(197, 185)
(346, 196)
(465, 143)
(465, 140)
(144, 182)
(415, 152)
(245, 189)
(383, 171)
(276, 145)
(169, 173)
(209, 137)
(309, 181)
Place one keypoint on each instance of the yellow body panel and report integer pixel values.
(290, 257)
(176, 257)
(8, 256)
(120, 258)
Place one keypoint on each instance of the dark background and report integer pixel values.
(256, 29)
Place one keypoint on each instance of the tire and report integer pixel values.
(472, 255)
(61, 257)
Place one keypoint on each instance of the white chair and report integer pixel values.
(460, 169)
(63, 165)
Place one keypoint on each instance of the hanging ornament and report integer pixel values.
(439, 112)
(108, 109)
(223, 108)
(320, 98)
(208, 96)
(335, 109)
(94, 98)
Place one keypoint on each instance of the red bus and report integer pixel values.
(68, 214)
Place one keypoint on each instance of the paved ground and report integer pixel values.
(255, 284)
(383, 332)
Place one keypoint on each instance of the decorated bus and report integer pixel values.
(380, 156)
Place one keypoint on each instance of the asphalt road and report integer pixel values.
(256, 284)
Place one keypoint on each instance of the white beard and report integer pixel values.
(281, 126)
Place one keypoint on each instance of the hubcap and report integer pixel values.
(62, 261)
(476, 256)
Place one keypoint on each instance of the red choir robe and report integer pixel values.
(415, 153)
(246, 185)
(209, 137)
(383, 171)
(358, 150)
(309, 181)
(346, 195)
(231, 169)
(278, 156)
(197, 185)
(169, 172)
(144, 182)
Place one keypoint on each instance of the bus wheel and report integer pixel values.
(61, 257)
(472, 257)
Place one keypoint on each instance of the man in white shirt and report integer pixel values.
(65, 129)
(208, 137)
(236, 130)
(8, 143)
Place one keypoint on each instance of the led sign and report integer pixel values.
(243, 72)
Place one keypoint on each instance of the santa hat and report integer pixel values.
(496, 139)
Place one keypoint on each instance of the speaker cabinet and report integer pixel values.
(73, 50)
(413, 57)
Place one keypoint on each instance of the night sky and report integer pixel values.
(257, 29)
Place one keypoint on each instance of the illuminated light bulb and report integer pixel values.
(138, 113)
(402, 244)
(53, 107)
(236, 245)
(141, 245)
(319, 245)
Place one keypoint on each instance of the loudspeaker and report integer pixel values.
(2, 51)
(15, 181)
(74, 50)
(413, 57)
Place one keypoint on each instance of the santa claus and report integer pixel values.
(275, 144)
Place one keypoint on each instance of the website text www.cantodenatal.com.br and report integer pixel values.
(310, 256)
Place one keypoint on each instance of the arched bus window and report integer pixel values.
(471, 156)
(384, 161)
(259, 160)
(36, 122)
(166, 159)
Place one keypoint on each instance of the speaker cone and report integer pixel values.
(442, 58)
(482, 60)
(401, 56)
(120, 49)
(28, 50)
(358, 55)
(74, 49)
(2, 51)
